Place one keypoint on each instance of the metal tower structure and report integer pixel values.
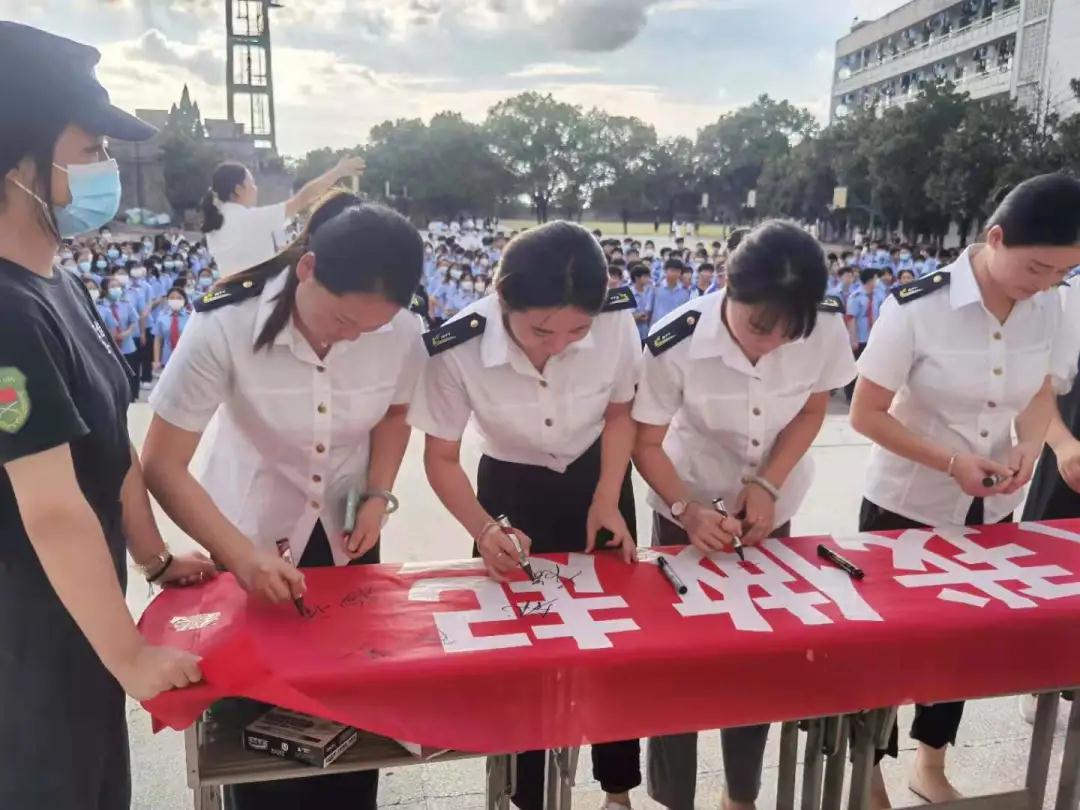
(249, 76)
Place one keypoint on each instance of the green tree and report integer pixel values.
(532, 136)
(906, 150)
(317, 162)
(625, 147)
(731, 154)
(669, 178)
(974, 157)
(188, 161)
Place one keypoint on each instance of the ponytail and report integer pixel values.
(227, 177)
(285, 302)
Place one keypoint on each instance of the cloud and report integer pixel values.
(154, 47)
(545, 69)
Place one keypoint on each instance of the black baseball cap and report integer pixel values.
(39, 70)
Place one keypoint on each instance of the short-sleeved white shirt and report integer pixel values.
(294, 431)
(726, 413)
(248, 237)
(524, 416)
(960, 378)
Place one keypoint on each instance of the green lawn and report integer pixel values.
(643, 230)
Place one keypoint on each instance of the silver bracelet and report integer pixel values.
(392, 503)
(487, 527)
(766, 485)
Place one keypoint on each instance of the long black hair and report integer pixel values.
(781, 267)
(1042, 211)
(559, 264)
(227, 176)
(358, 248)
(33, 133)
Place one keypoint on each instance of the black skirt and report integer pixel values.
(1050, 498)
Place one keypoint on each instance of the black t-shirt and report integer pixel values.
(62, 381)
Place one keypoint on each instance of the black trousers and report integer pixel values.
(146, 357)
(938, 724)
(552, 509)
(335, 791)
(849, 389)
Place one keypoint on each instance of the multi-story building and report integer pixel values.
(1026, 49)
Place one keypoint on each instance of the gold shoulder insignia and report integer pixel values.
(454, 333)
(673, 334)
(831, 303)
(226, 293)
(923, 286)
(618, 299)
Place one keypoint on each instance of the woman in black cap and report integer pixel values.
(72, 499)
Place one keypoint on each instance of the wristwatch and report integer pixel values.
(678, 509)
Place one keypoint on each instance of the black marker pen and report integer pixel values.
(285, 552)
(843, 564)
(523, 558)
(668, 571)
(718, 505)
(992, 481)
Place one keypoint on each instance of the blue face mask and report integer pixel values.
(115, 293)
(95, 197)
(113, 253)
(84, 266)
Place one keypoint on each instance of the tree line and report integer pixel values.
(937, 160)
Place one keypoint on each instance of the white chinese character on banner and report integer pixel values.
(737, 583)
(977, 568)
(554, 599)
(577, 622)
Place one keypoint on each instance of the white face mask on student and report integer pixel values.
(467, 286)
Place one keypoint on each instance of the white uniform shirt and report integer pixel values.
(293, 431)
(725, 413)
(248, 237)
(524, 416)
(960, 378)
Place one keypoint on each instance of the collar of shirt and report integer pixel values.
(498, 348)
(964, 287)
(712, 339)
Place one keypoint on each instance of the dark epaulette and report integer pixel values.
(619, 298)
(454, 334)
(231, 292)
(678, 330)
(920, 287)
(832, 303)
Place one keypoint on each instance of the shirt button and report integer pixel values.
(756, 411)
(320, 448)
(997, 335)
(549, 422)
(317, 479)
(984, 433)
(543, 384)
(315, 504)
(755, 442)
(320, 369)
(322, 407)
(998, 371)
(991, 404)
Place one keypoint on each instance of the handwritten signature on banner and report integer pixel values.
(972, 575)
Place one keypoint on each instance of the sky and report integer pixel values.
(342, 66)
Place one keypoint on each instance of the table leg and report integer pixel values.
(871, 730)
(812, 764)
(501, 779)
(789, 755)
(1069, 790)
(1042, 743)
(836, 747)
(208, 798)
(560, 778)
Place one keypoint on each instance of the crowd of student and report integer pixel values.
(143, 289)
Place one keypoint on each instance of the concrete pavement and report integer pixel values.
(991, 754)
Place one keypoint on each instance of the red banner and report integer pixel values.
(597, 650)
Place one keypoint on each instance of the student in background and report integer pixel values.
(860, 312)
(641, 285)
(671, 294)
(169, 325)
